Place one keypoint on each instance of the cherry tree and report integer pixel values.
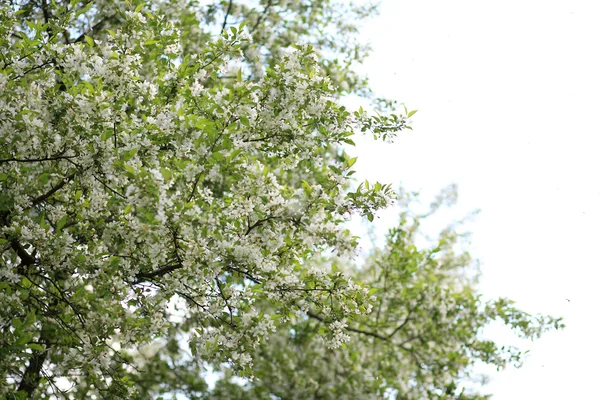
(174, 193)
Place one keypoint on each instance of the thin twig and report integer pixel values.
(46, 196)
(229, 6)
(260, 17)
(26, 160)
(349, 328)
(226, 299)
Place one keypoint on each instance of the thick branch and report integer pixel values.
(26, 258)
(33, 373)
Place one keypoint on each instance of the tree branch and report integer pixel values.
(246, 274)
(44, 197)
(26, 258)
(109, 188)
(142, 276)
(32, 375)
(98, 25)
(259, 223)
(226, 299)
(402, 324)
(229, 6)
(26, 160)
(349, 328)
(261, 16)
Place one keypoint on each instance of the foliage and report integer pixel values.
(173, 191)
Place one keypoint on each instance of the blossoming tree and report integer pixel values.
(173, 193)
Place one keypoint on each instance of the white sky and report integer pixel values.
(508, 95)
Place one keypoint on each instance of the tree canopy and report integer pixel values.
(174, 192)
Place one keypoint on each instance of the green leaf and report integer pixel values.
(139, 7)
(35, 346)
(24, 339)
(106, 135)
(61, 223)
(130, 154)
(130, 169)
(89, 41)
(410, 114)
(335, 169)
(17, 323)
(351, 161)
(44, 178)
(166, 174)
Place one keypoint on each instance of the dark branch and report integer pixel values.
(193, 192)
(42, 65)
(46, 196)
(33, 373)
(88, 33)
(108, 187)
(226, 299)
(349, 328)
(143, 276)
(26, 160)
(259, 223)
(401, 325)
(229, 6)
(245, 274)
(32, 376)
(26, 258)
(262, 16)
(47, 17)
(260, 139)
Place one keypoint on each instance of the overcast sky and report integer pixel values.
(508, 94)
